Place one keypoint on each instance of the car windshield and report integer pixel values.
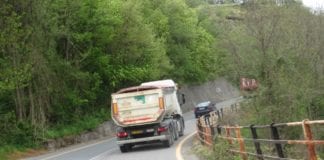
(203, 104)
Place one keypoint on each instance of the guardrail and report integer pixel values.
(209, 130)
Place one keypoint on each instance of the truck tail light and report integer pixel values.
(122, 134)
(161, 103)
(162, 129)
(115, 109)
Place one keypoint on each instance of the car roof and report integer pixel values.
(203, 104)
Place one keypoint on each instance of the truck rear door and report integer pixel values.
(137, 107)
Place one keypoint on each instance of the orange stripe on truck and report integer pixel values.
(115, 108)
(137, 119)
(161, 102)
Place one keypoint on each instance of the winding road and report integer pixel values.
(107, 149)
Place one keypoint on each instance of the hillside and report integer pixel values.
(60, 61)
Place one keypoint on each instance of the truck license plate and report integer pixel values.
(137, 132)
(150, 130)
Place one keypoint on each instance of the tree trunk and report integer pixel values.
(19, 104)
(32, 105)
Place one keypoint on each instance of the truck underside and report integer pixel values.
(166, 132)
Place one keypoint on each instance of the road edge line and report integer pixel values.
(179, 146)
(76, 149)
(102, 154)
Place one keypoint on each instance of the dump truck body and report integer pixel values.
(147, 113)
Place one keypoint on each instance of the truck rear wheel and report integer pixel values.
(125, 148)
(169, 142)
(176, 131)
(182, 126)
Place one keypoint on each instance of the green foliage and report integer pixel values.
(80, 124)
(218, 151)
(18, 133)
(279, 46)
(60, 61)
(7, 149)
(190, 47)
(266, 44)
(195, 3)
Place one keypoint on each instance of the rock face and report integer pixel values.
(214, 91)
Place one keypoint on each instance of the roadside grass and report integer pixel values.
(85, 123)
(6, 150)
(216, 152)
(15, 153)
(11, 152)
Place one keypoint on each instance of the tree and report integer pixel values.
(277, 44)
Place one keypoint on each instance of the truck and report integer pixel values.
(148, 113)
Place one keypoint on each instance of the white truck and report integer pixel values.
(148, 113)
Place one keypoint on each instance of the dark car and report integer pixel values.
(204, 108)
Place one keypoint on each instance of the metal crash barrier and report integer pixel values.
(208, 130)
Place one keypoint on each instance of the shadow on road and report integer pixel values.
(147, 147)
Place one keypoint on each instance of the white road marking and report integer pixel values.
(178, 149)
(100, 156)
(179, 146)
(76, 149)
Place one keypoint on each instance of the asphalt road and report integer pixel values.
(108, 149)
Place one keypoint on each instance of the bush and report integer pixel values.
(218, 151)
(79, 124)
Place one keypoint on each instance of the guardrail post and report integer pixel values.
(218, 114)
(235, 106)
(275, 136)
(213, 118)
(228, 135)
(219, 130)
(206, 118)
(256, 144)
(222, 113)
(206, 135)
(211, 137)
(212, 129)
(200, 129)
(309, 138)
(213, 133)
(241, 142)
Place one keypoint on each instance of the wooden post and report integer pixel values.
(309, 138)
(206, 135)
(228, 135)
(241, 142)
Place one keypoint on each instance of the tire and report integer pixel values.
(169, 142)
(182, 126)
(176, 133)
(125, 148)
